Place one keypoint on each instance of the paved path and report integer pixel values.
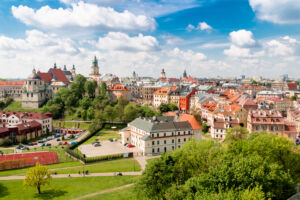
(74, 175)
(103, 192)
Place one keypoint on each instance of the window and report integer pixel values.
(165, 142)
(153, 151)
(172, 141)
(157, 149)
(172, 133)
(165, 149)
(184, 139)
(165, 134)
(158, 142)
(157, 135)
(172, 147)
(153, 143)
(178, 140)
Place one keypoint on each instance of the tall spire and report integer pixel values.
(95, 62)
(184, 74)
(73, 67)
(65, 68)
(55, 66)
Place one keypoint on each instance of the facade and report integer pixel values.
(12, 119)
(34, 91)
(156, 135)
(161, 96)
(12, 89)
(220, 125)
(119, 90)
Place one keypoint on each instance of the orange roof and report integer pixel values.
(210, 106)
(171, 114)
(162, 91)
(192, 120)
(12, 83)
(119, 87)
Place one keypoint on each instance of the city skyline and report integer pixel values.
(207, 38)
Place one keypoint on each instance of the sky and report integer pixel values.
(207, 38)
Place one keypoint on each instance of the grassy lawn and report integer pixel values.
(22, 172)
(60, 150)
(124, 194)
(62, 188)
(122, 165)
(103, 136)
(16, 106)
(82, 125)
(6, 151)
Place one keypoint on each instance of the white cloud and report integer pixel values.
(202, 26)
(290, 40)
(277, 48)
(83, 15)
(122, 42)
(213, 45)
(242, 38)
(277, 11)
(237, 52)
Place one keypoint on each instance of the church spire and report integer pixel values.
(95, 62)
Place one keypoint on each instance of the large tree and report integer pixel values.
(37, 177)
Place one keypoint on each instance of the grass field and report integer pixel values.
(82, 125)
(103, 135)
(62, 188)
(6, 151)
(16, 106)
(60, 150)
(124, 194)
(122, 165)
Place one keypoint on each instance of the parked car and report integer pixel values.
(48, 144)
(34, 143)
(110, 139)
(97, 145)
(30, 144)
(64, 143)
(126, 144)
(58, 139)
(60, 143)
(43, 145)
(115, 139)
(25, 148)
(19, 147)
(41, 141)
(57, 135)
(72, 143)
(130, 146)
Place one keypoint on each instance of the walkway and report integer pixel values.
(104, 191)
(5, 178)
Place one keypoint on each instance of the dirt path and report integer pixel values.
(104, 191)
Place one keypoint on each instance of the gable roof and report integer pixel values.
(46, 76)
(192, 120)
(12, 83)
(58, 75)
(292, 86)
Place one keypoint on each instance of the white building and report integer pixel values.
(158, 134)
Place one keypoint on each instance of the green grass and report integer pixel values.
(124, 194)
(22, 172)
(82, 125)
(122, 165)
(62, 188)
(6, 151)
(60, 150)
(16, 106)
(103, 136)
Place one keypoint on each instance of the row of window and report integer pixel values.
(165, 141)
(153, 135)
(164, 149)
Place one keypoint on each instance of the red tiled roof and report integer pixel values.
(292, 86)
(30, 115)
(59, 75)
(192, 120)
(119, 87)
(47, 76)
(12, 83)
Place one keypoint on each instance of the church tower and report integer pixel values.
(163, 77)
(33, 95)
(95, 69)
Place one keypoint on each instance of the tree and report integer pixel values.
(172, 107)
(37, 177)
(110, 113)
(103, 89)
(130, 112)
(236, 133)
(164, 108)
(90, 88)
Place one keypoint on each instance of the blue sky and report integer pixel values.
(208, 38)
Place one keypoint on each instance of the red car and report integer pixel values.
(131, 146)
(34, 143)
(65, 143)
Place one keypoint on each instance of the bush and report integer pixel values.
(7, 142)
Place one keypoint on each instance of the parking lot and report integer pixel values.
(106, 148)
